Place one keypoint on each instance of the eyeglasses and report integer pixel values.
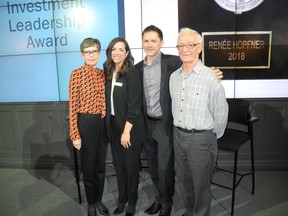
(88, 53)
(188, 45)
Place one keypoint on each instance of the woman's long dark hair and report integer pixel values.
(109, 65)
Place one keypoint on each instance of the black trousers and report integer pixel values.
(160, 157)
(127, 166)
(93, 155)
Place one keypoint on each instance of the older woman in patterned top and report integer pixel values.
(86, 119)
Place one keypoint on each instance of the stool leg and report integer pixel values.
(234, 181)
(77, 174)
(252, 166)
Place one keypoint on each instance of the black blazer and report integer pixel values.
(169, 63)
(127, 98)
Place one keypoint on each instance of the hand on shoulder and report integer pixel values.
(218, 73)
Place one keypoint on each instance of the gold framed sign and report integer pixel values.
(240, 49)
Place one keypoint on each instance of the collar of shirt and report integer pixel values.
(157, 60)
(196, 69)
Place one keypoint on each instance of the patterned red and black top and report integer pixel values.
(86, 95)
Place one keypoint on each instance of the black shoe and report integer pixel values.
(119, 209)
(91, 210)
(102, 208)
(129, 214)
(165, 212)
(153, 209)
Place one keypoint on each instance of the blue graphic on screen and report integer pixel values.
(40, 44)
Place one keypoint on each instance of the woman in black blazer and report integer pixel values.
(124, 121)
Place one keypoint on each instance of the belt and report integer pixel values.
(155, 118)
(190, 131)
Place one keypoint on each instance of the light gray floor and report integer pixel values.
(54, 193)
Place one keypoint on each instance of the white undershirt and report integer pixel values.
(112, 89)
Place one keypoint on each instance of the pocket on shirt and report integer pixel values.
(198, 97)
